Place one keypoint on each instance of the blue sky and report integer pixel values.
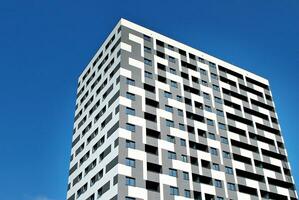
(44, 45)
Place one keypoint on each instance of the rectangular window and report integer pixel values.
(171, 138)
(187, 193)
(229, 170)
(224, 140)
(206, 96)
(171, 155)
(130, 144)
(185, 175)
(147, 62)
(148, 74)
(183, 142)
(130, 81)
(218, 100)
(182, 127)
(208, 108)
(174, 84)
(169, 123)
(172, 71)
(167, 94)
(226, 155)
(222, 126)
(210, 122)
(179, 98)
(130, 127)
(168, 108)
(214, 76)
(147, 38)
(130, 111)
(180, 113)
(173, 172)
(218, 183)
(174, 191)
(216, 167)
(205, 83)
(219, 198)
(220, 113)
(212, 136)
(130, 96)
(213, 151)
(171, 59)
(130, 162)
(147, 49)
(231, 186)
(203, 72)
(216, 88)
(130, 181)
(184, 158)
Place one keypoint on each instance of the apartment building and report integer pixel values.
(157, 119)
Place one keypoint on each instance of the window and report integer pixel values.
(167, 94)
(170, 47)
(187, 193)
(174, 84)
(226, 155)
(147, 49)
(214, 76)
(130, 96)
(203, 72)
(147, 61)
(219, 198)
(206, 96)
(221, 126)
(231, 186)
(180, 112)
(205, 83)
(130, 162)
(208, 108)
(130, 198)
(183, 142)
(130, 144)
(216, 167)
(171, 59)
(210, 122)
(148, 74)
(218, 183)
(171, 155)
(220, 113)
(182, 127)
(174, 190)
(212, 65)
(171, 138)
(184, 158)
(147, 38)
(224, 140)
(168, 108)
(212, 136)
(185, 175)
(216, 88)
(130, 111)
(179, 98)
(213, 151)
(218, 100)
(130, 127)
(173, 172)
(228, 170)
(169, 123)
(130, 181)
(130, 81)
(173, 71)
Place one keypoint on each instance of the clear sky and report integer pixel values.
(44, 46)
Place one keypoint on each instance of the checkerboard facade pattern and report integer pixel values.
(157, 119)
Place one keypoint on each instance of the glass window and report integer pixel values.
(130, 162)
(203, 82)
(212, 65)
(182, 127)
(213, 151)
(173, 71)
(186, 175)
(219, 198)
(171, 155)
(130, 144)
(147, 38)
(174, 190)
(216, 167)
(174, 84)
(214, 76)
(184, 158)
(210, 122)
(130, 127)
(130, 181)
(218, 100)
(147, 61)
(173, 172)
(183, 142)
(130, 111)
(179, 98)
(220, 113)
(187, 193)
(221, 126)
(212, 136)
(180, 112)
(206, 95)
(130, 96)
(168, 108)
(130, 198)
(218, 183)
(203, 72)
(226, 154)
(171, 59)
(231, 186)
(167, 94)
(147, 49)
(171, 138)
(208, 108)
(216, 88)
(148, 74)
(228, 170)
(224, 140)
(169, 123)
(130, 81)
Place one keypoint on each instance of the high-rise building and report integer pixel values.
(157, 119)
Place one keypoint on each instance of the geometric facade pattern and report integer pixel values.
(157, 119)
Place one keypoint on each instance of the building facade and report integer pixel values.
(157, 119)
